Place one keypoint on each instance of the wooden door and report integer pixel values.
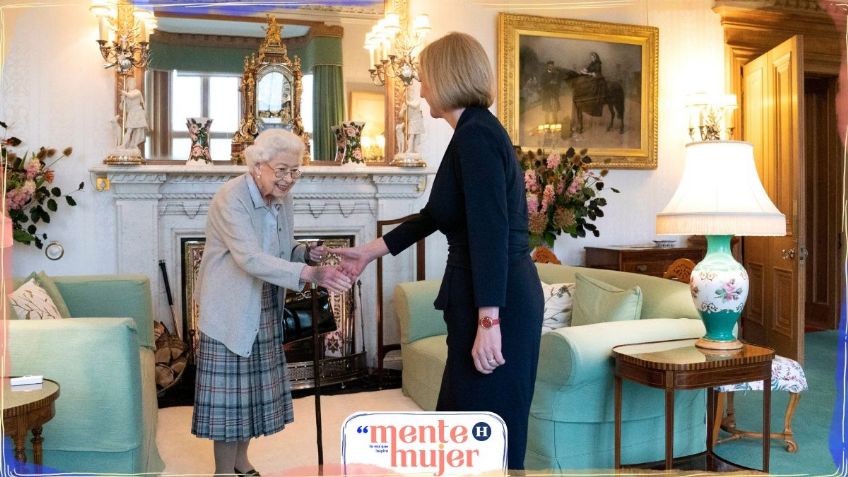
(823, 158)
(773, 96)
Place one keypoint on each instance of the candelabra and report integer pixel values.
(711, 117)
(392, 52)
(124, 34)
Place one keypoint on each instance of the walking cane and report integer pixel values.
(316, 376)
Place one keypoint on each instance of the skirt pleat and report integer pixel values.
(237, 397)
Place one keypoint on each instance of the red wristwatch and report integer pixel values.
(488, 322)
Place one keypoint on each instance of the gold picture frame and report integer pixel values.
(555, 75)
(369, 107)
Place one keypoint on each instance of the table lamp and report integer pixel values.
(720, 195)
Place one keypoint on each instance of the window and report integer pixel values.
(211, 95)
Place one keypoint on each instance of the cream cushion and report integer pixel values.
(31, 302)
(558, 303)
(597, 302)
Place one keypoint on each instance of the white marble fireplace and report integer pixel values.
(156, 206)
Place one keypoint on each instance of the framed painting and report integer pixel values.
(569, 83)
(370, 108)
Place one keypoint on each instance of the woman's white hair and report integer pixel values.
(271, 143)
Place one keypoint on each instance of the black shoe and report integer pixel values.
(249, 473)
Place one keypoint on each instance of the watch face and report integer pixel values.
(486, 322)
(54, 250)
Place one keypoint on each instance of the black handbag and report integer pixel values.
(297, 315)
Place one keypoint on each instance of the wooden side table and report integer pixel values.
(678, 364)
(28, 410)
(645, 260)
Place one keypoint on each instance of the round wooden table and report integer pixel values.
(27, 408)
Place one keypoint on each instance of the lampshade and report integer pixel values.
(720, 194)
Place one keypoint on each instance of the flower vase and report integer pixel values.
(349, 142)
(198, 131)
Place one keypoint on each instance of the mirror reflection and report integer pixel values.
(274, 98)
(197, 68)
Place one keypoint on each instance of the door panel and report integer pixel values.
(773, 103)
(823, 211)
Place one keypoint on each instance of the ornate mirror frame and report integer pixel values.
(273, 57)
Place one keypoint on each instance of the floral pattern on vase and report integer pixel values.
(198, 131)
(719, 287)
(349, 142)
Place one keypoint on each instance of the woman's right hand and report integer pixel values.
(328, 277)
(355, 259)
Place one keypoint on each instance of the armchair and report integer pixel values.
(102, 359)
(571, 416)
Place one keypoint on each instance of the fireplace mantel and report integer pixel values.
(155, 206)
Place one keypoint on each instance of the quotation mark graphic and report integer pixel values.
(362, 430)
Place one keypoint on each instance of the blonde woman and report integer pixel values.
(250, 258)
(490, 295)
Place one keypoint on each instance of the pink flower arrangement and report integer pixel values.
(563, 194)
(29, 195)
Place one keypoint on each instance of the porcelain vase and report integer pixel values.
(198, 131)
(349, 142)
(719, 287)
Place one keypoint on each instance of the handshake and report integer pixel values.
(337, 278)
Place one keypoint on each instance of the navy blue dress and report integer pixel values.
(478, 202)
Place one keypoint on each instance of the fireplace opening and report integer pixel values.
(340, 360)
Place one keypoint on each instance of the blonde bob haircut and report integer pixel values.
(457, 72)
(271, 143)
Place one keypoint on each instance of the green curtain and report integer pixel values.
(324, 58)
(327, 109)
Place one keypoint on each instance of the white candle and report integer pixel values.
(104, 29)
(371, 59)
(145, 34)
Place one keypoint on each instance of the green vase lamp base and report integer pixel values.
(719, 286)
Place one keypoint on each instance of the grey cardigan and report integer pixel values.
(234, 266)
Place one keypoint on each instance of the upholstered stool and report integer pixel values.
(786, 375)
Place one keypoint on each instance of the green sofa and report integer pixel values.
(102, 358)
(571, 417)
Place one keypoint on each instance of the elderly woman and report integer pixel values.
(491, 294)
(250, 258)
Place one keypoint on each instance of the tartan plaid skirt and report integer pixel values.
(237, 398)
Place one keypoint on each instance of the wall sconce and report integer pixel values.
(711, 116)
(124, 34)
(392, 51)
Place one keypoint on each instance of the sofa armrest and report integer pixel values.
(96, 363)
(415, 299)
(580, 354)
(110, 296)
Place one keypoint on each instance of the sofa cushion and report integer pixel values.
(661, 298)
(423, 366)
(416, 298)
(597, 302)
(32, 302)
(50, 287)
(111, 296)
(558, 303)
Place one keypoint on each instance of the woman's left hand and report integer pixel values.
(486, 351)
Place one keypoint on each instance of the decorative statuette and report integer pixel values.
(410, 131)
(130, 127)
(198, 131)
